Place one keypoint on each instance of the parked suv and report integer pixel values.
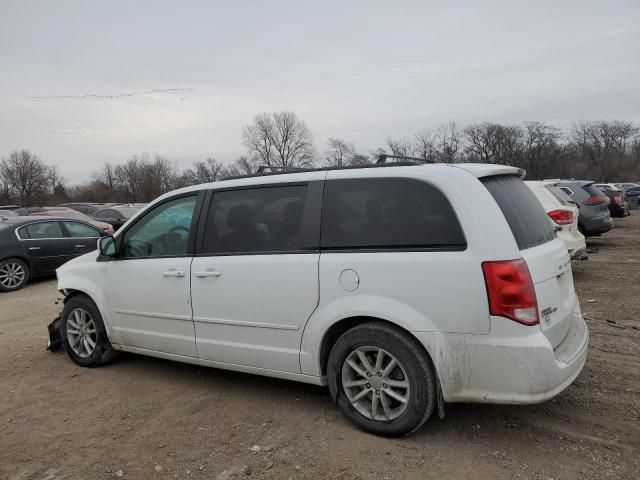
(617, 205)
(594, 218)
(401, 287)
(563, 212)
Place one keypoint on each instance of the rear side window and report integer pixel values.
(388, 213)
(41, 231)
(80, 230)
(529, 223)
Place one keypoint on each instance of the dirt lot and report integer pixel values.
(147, 418)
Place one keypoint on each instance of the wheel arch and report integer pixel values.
(71, 292)
(21, 257)
(337, 329)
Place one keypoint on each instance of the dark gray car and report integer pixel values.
(593, 218)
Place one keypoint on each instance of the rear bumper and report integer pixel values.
(576, 245)
(597, 225)
(508, 368)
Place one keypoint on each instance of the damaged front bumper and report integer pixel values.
(54, 343)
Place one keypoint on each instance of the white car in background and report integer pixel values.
(564, 213)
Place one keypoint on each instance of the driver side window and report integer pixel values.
(164, 231)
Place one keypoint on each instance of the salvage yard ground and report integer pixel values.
(148, 418)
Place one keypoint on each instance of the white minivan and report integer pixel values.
(400, 287)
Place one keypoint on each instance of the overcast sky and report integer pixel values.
(360, 70)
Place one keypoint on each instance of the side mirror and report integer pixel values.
(107, 246)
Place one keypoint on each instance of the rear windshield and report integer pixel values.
(560, 195)
(524, 213)
(592, 190)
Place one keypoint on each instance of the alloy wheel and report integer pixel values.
(81, 332)
(376, 383)
(12, 275)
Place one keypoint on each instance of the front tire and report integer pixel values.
(83, 334)
(382, 380)
(14, 274)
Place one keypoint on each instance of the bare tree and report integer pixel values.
(279, 139)
(494, 143)
(605, 147)
(57, 184)
(25, 176)
(447, 142)
(207, 171)
(242, 166)
(337, 153)
(424, 146)
(129, 177)
(542, 149)
(400, 146)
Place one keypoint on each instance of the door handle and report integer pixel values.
(80, 245)
(173, 273)
(34, 248)
(209, 272)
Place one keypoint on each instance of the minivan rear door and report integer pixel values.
(546, 255)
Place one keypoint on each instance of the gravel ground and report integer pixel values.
(148, 418)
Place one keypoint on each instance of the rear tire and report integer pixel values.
(83, 334)
(14, 274)
(391, 396)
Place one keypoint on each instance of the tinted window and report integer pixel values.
(529, 223)
(41, 230)
(255, 220)
(164, 231)
(387, 213)
(81, 230)
(592, 190)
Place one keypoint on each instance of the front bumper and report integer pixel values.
(506, 367)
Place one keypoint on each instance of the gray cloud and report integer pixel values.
(360, 70)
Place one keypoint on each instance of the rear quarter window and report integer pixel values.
(527, 219)
(388, 213)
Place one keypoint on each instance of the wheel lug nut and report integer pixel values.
(379, 374)
(368, 385)
(368, 374)
(384, 385)
(377, 392)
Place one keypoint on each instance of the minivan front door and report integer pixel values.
(148, 284)
(255, 282)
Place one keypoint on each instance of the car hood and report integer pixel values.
(87, 258)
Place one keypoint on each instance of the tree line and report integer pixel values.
(597, 150)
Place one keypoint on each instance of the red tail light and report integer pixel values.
(561, 217)
(510, 291)
(595, 200)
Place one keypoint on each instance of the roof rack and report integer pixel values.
(280, 169)
(284, 170)
(382, 158)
